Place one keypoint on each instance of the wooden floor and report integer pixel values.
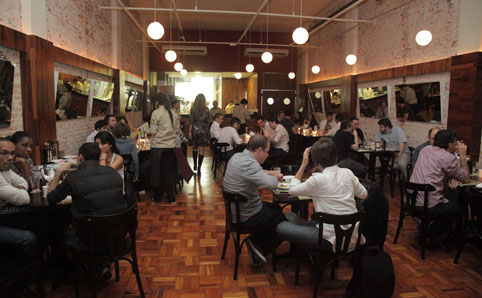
(179, 249)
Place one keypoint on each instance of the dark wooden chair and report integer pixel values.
(105, 239)
(235, 229)
(324, 258)
(409, 165)
(15, 268)
(387, 167)
(220, 156)
(129, 187)
(408, 198)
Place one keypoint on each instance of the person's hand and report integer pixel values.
(135, 180)
(327, 127)
(453, 183)
(20, 160)
(306, 156)
(19, 187)
(190, 135)
(278, 176)
(355, 133)
(103, 156)
(65, 167)
(461, 148)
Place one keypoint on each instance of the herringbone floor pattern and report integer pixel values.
(179, 248)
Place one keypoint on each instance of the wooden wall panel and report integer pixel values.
(252, 87)
(233, 89)
(465, 104)
(69, 58)
(37, 76)
(12, 39)
(116, 110)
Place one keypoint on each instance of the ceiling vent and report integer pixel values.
(187, 50)
(257, 52)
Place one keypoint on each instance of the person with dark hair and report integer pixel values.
(297, 119)
(122, 119)
(336, 126)
(431, 137)
(356, 126)
(365, 111)
(264, 126)
(346, 141)
(111, 121)
(241, 112)
(404, 112)
(164, 173)
(109, 154)
(280, 141)
(229, 135)
(23, 164)
(100, 125)
(438, 166)
(328, 123)
(244, 175)
(333, 190)
(394, 138)
(199, 130)
(287, 122)
(382, 111)
(216, 126)
(127, 146)
(215, 110)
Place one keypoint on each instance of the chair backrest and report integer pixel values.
(409, 192)
(221, 149)
(474, 197)
(127, 162)
(229, 199)
(409, 165)
(344, 226)
(108, 232)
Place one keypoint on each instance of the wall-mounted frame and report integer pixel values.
(419, 102)
(72, 96)
(373, 102)
(7, 69)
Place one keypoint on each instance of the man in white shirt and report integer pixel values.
(279, 140)
(216, 126)
(264, 127)
(336, 126)
(99, 126)
(229, 135)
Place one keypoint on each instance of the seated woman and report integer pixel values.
(23, 164)
(109, 154)
(126, 146)
(333, 191)
(310, 121)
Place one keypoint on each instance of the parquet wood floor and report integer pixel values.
(179, 248)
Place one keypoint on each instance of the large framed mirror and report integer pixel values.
(72, 96)
(134, 99)
(101, 98)
(418, 102)
(332, 100)
(7, 70)
(373, 102)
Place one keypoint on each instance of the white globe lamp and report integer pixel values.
(315, 69)
(155, 30)
(267, 57)
(183, 72)
(423, 37)
(238, 75)
(291, 75)
(170, 56)
(350, 59)
(249, 67)
(300, 35)
(178, 66)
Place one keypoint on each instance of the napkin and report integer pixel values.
(50, 175)
(479, 185)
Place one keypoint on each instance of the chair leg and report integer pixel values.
(333, 267)
(317, 279)
(424, 245)
(135, 268)
(400, 224)
(297, 266)
(275, 268)
(38, 281)
(92, 280)
(236, 260)
(226, 238)
(116, 266)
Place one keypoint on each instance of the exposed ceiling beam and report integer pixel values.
(178, 20)
(335, 16)
(252, 20)
(230, 12)
(144, 32)
(230, 43)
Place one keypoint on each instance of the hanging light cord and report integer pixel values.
(267, 24)
(301, 11)
(155, 10)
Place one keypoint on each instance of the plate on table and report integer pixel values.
(283, 187)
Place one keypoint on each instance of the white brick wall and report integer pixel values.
(10, 14)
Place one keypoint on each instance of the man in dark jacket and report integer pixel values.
(95, 189)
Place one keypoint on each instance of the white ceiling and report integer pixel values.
(231, 22)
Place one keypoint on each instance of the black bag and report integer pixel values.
(377, 277)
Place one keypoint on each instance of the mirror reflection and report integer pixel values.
(373, 102)
(134, 99)
(418, 102)
(102, 96)
(332, 100)
(7, 69)
(72, 96)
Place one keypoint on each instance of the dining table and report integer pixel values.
(372, 160)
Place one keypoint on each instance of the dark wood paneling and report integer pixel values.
(465, 104)
(116, 94)
(348, 97)
(38, 98)
(69, 58)
(12, 39)
(279, 81)
(405, 71)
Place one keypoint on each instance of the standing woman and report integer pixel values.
(199, 130)
(163, 144)
(23, 164)
(109, 154)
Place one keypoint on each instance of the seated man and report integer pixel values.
(243, 176)
(356, 126)
(99, 126)
(328, 122)
(216, 126)
(438, 166)
(95, 189)
(229, 135)
(111, 122)
(346, 141)
(333, 191)
(336, 127)
(431, 135)
(280, 140)
(395, 139)
(264, 127)
(404, 111)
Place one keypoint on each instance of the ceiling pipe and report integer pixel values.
(143, 31)
(336, 15)
(178, 20)
(252, 20)
(230, 43)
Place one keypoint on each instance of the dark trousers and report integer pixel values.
(163, 172)
(265, 222)
(17, 242)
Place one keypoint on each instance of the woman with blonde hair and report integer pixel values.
(199, 130)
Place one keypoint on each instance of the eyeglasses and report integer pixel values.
(6, 152)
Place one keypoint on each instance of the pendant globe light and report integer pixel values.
(300, 35)
(351, 59)
(183, 72)
(423, 38)
(170, 55)
(155, 30)
(178, 66)
(291, 75)
(267, 57)
(238, 75)
(249, 67)
(315, 69)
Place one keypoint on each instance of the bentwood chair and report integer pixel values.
(220, 156)
(344, 226)
(236, 229)
(105, 239)
(129, 188)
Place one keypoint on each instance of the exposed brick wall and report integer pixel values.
(10, 14)
(81, 27)
(131, 50)
(16, 115)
